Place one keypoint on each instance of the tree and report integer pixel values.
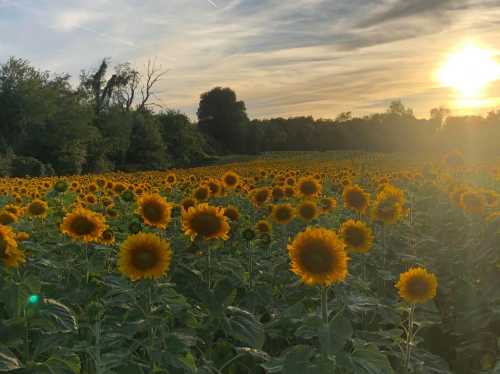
(147, 150)
(184, 141)
(223, 117)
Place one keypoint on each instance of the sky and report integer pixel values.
(282, 57)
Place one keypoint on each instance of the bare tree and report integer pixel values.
(154, 74)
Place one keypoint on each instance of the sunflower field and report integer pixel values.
(310, 263)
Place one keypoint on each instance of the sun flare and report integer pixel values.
(469, 71)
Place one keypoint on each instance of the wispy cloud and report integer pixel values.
(290, 57)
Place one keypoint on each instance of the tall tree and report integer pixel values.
(224, 118)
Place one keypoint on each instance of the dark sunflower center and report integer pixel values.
(107, 235)
(354, 237)
(3, 247)
(201, 194)
(82, 226)
(231, 213)
(37, 209)
(356, 199)
(230, 180)
(144, 259)
(6, 219)
(206, 224)
(261, 196)
(152, 211)
(283, 214)
(307, 211)
(418, 287)
(316, 258)
(308, 188)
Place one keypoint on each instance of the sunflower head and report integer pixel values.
(283, 213)
(230, 179)
(308, 187)
(327, 204)
(263, 227)
(318, 257)
(10, 255)
(417, 286)
(83, 224)
(144, 255)
(154, 210)
(37, 208)
(472, 202)
(308, 210)
(201, 193)
(232, 213)
(356, 198)
(188, 203)
(357, 236)
(205, 221)
(7, 218)
(107, 237)
(260, 196)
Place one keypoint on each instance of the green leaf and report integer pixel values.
(68, 364)
(8, 361)
(366, 360)
(243, 326)
(298, 360)
(59, 314)
(335, 335)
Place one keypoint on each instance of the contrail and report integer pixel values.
(212, 3)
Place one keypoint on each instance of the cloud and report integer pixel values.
(401, 9)
(291, 57)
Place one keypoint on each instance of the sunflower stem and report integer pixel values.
(87, 262)
(151, 330)
(409, 337)
(250, 266)
(209, 267)
(324, 304)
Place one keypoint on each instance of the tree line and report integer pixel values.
(110, 121)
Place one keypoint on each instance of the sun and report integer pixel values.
(469, 71)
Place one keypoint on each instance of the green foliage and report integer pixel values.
(224, 119)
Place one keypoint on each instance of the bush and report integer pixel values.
(28, 166)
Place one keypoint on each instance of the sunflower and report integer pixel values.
(22, 236)
(14, 209)
(10, 254)
(328, 203)
(188, 203)
(83, 224)
(283, 213)
(232, 213)
(144, 255)
(356, 198)
(154, 210)
(387, 211)
(7, 218)
(472, 202)
(171, 178)
(263, 227)
(37, 208)
(308, 210)
(201, 193)
(318, 257)
(107, 237)
(260, 196)
(308, 187)
(357, 236)
(230, 179)
(417, 286)
(205, 221)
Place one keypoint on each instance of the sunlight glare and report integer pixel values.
(469, 71)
